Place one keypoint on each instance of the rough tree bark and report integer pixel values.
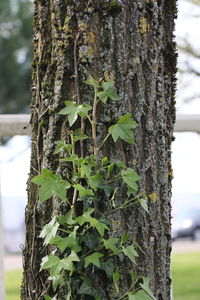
(133, 42)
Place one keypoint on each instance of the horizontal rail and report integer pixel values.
(187, 123)
(11, 125)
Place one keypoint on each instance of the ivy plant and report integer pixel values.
(81, 241)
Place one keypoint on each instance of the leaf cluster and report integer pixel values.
(84, 243)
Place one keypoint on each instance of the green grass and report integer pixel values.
(13, 283)
(186, 276)
(185, 272)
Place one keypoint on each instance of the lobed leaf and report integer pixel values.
(130, 252)
(130, 177)
(49, 231)
(50, 185)
(123, 129)
(93, 259)
(72, 110)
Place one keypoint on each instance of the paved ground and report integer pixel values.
(182, 245)
(12, 262)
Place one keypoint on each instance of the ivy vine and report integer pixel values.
(81, 241)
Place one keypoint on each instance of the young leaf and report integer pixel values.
(143, 203)
(124, 238)
(72, 110)
(60, 145)
(100, 226)
(49, 231)
(49, 262)
(67, 219)
(79, 135)
(92, 81)
(50, 185)
(116, 277)
(66, 242)
(139, 295)
(111, 244)
(146, 288)
(130, 177)
(83, 191)
(95, 181)
(130, 252)
(72, 157)
(123, 129)
(85, 170)
(67, 262)
(93, 259)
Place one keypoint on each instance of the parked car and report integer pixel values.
(186, 224)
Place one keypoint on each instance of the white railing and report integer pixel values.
(11, 125)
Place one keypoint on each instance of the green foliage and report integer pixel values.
(123, 129)
(15, 55)
(84, 242)
(72, 110)
(51, 185)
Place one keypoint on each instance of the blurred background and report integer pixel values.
(15, 97)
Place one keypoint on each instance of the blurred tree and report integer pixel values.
(189, 55)
(15, 55)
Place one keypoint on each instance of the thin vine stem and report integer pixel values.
(94, 123)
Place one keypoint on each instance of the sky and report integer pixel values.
(15, 157)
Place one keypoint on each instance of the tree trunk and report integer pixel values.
(132, 41)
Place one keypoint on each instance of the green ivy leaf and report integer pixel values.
(100, 227)
(124, 238)
(111, 244)
(47, 297)
(86, 288)
(67, 219)
(72, 110)
(85, 170)
(102, 96)
(92, 81)
(57, 280)
(116, 277)
(67, 262)
(146, 288)
(95, 181)
(143, 203)
(66, 242)
(49, 261)
(72, 158)
(123, 129)
(130, 252)
(60, 146)
(79, 135)
(50, 185)
(85, 217)
(130, 177)
(71, 241)
(93, 259)
(108, 92)
(139, 295)
(83, 191)
(49, 231)
(108, 267)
